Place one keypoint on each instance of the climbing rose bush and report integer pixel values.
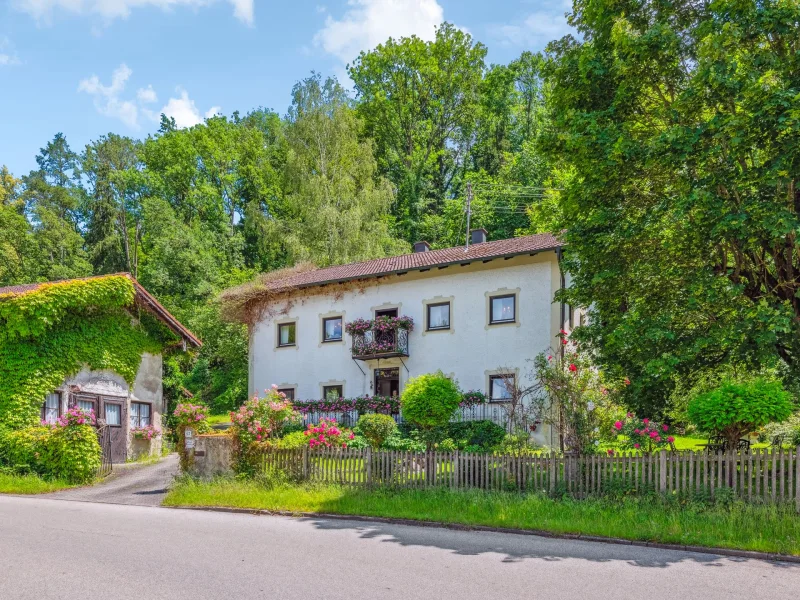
(644, 435)
(262, 418)
(189, 414)
(327, 434)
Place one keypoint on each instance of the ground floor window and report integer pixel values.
(332, 392)
(87, 404)
(500, 387)
(288, 392)
(51, 409)
(140, 414)
(113, 414)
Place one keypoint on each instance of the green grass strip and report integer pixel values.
(29, 484)
(764, 528)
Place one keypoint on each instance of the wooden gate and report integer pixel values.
(104, 438)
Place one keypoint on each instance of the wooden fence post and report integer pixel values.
(306, 463)
(797, 480)
(662, 472)
(553, 471)
(368, 460)
(457, 467)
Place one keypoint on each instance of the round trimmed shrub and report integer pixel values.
(735, 409)
(376, 428)
(430, 400)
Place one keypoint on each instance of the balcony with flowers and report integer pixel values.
(381, 337)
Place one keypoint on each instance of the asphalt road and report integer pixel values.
(57, 549)
(131, 483)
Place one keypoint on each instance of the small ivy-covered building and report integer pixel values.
(96, 343)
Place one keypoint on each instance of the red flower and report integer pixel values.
(572, 367)
(627, 381)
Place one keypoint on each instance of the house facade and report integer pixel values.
(480, 315)
(119, 406)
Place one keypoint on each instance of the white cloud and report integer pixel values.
(114, 9)
(147, 95)
(106, 97)
(8, 56)
(109, 101)
(183, 110)
(368, 23)
(538, 28)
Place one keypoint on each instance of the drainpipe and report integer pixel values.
(563, 307)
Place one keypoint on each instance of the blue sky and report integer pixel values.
(87, 67)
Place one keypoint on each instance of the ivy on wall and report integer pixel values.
(49, 334)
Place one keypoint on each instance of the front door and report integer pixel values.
(387, 382)
(114, 413)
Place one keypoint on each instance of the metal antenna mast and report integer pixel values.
(469, 212)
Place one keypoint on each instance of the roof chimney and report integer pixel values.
(478, 236)
(422, 247)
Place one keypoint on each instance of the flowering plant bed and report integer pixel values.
(327, 434)
(645, 435)
(380, 325)
(472, 398)
(147, 432)
(364, 404)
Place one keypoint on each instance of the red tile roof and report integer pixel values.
(143, 297)
(529, 244)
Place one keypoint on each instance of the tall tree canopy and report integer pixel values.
(681, 123)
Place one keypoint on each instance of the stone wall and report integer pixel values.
(213, 455)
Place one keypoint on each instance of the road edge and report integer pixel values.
(751, 554)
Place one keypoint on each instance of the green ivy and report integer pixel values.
(49, 334)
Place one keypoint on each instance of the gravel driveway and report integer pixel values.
(141, 485)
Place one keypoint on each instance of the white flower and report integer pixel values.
(597, 442)
(590, 406)
(597, 430)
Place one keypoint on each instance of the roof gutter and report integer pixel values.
(421, 268)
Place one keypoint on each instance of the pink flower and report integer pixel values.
(618, 425)
(610, 451)
(645, 421)
(653, 434)
(637, 446)
(549, 358)
(670, 439)
(627, 381)
(665, 428)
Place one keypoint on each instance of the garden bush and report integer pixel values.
(292, 441)
(376, 428)
(476, 435)
(735, 409)
(67, 450)
(429, 401)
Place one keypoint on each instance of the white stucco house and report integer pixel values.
(481, 314)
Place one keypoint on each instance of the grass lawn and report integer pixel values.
(217, 419)
(29, 484)
(747, 527)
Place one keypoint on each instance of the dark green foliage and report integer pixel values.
(735, 409)
(678, 122)
(475, 435)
